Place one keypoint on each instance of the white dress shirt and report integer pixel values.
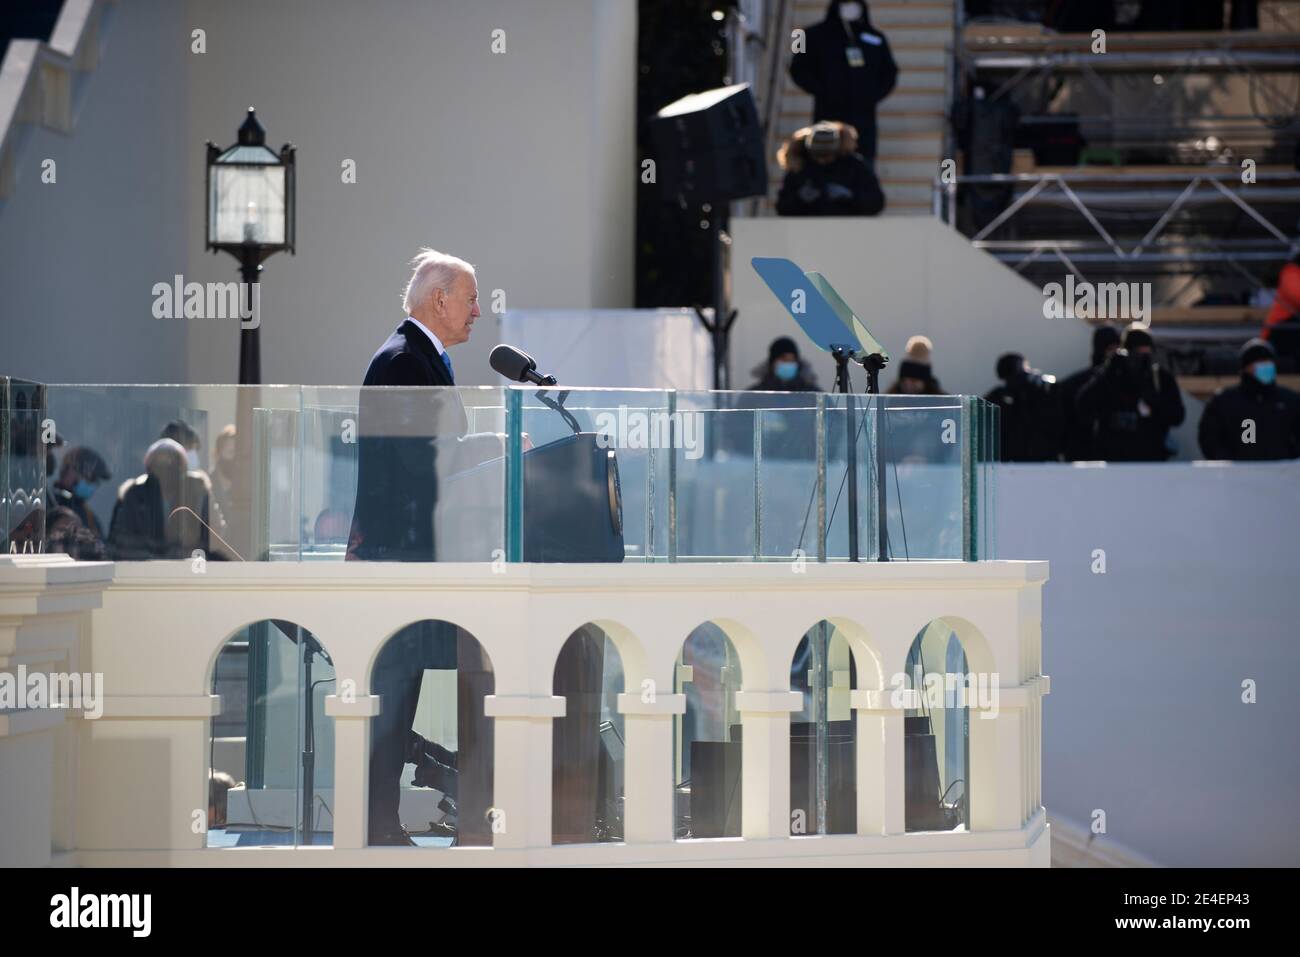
(437, 343)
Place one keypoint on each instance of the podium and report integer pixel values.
(572, 505)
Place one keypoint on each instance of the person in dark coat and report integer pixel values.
(1030, 416)
(1079, 430)
(784, 370)
(1135, 402)
(847, 67)
(400, 430)
(825, 176)
(915, 373)
(80, 473)
(160, 514)
(1255, 420)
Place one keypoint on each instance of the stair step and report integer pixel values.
(883, 14)
(918, 34)
(886, 15)
(905, 168)
(908, 209)
(914, 78)
(908, 121)
(887, 122)
(911, 145)
(912, 57)
(902, 192)
(922, 98)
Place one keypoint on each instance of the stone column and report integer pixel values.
(648, 766)
(880, 761)
(351, 765)
(521, 784)
(765, 761)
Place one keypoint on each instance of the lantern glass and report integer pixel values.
(246, 203)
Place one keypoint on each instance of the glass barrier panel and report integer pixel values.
(28, 441)
(328, 473)
(923, 438)
(188, 470)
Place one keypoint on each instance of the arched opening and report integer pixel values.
(431, 743)
(271, 752)
(936, 733)
(707, 738)
(588, 741)
(823, 734)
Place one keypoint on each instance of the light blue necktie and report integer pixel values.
(446, 357)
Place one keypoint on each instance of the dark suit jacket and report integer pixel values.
(396, 482)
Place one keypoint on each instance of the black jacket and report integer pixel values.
(1135, 404)
(145, 527)
(841, 91)
(1269, 414)
(396, 484)
(843, 187)
(1031, 424)
(1079, 431)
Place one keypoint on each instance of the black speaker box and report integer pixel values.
(709, 147)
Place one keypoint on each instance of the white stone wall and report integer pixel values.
(142, 767)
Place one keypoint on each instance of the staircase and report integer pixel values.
(41, 82)
(910, 122)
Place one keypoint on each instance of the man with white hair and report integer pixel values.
(441, 303)
(397, 496)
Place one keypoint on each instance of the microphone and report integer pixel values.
(517, 365)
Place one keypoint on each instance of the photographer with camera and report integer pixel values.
(1032, 424)
(1134, 401)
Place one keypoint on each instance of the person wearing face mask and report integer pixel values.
(1134, 401)
(79, 476)
(847, 67)
(1255, 420)
(784, 371)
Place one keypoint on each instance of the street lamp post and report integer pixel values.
(250, 214)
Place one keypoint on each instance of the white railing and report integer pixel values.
(126, 785)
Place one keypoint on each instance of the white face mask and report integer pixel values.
(850, 11)
(192, 456)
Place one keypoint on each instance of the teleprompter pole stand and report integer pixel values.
(873, 364)
(724, 317)
(842, 354)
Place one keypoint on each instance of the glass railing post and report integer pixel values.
(514, 476)
(672, 476)
(821, 477)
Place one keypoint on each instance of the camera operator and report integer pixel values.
(1032, 424)
(1134, 401)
